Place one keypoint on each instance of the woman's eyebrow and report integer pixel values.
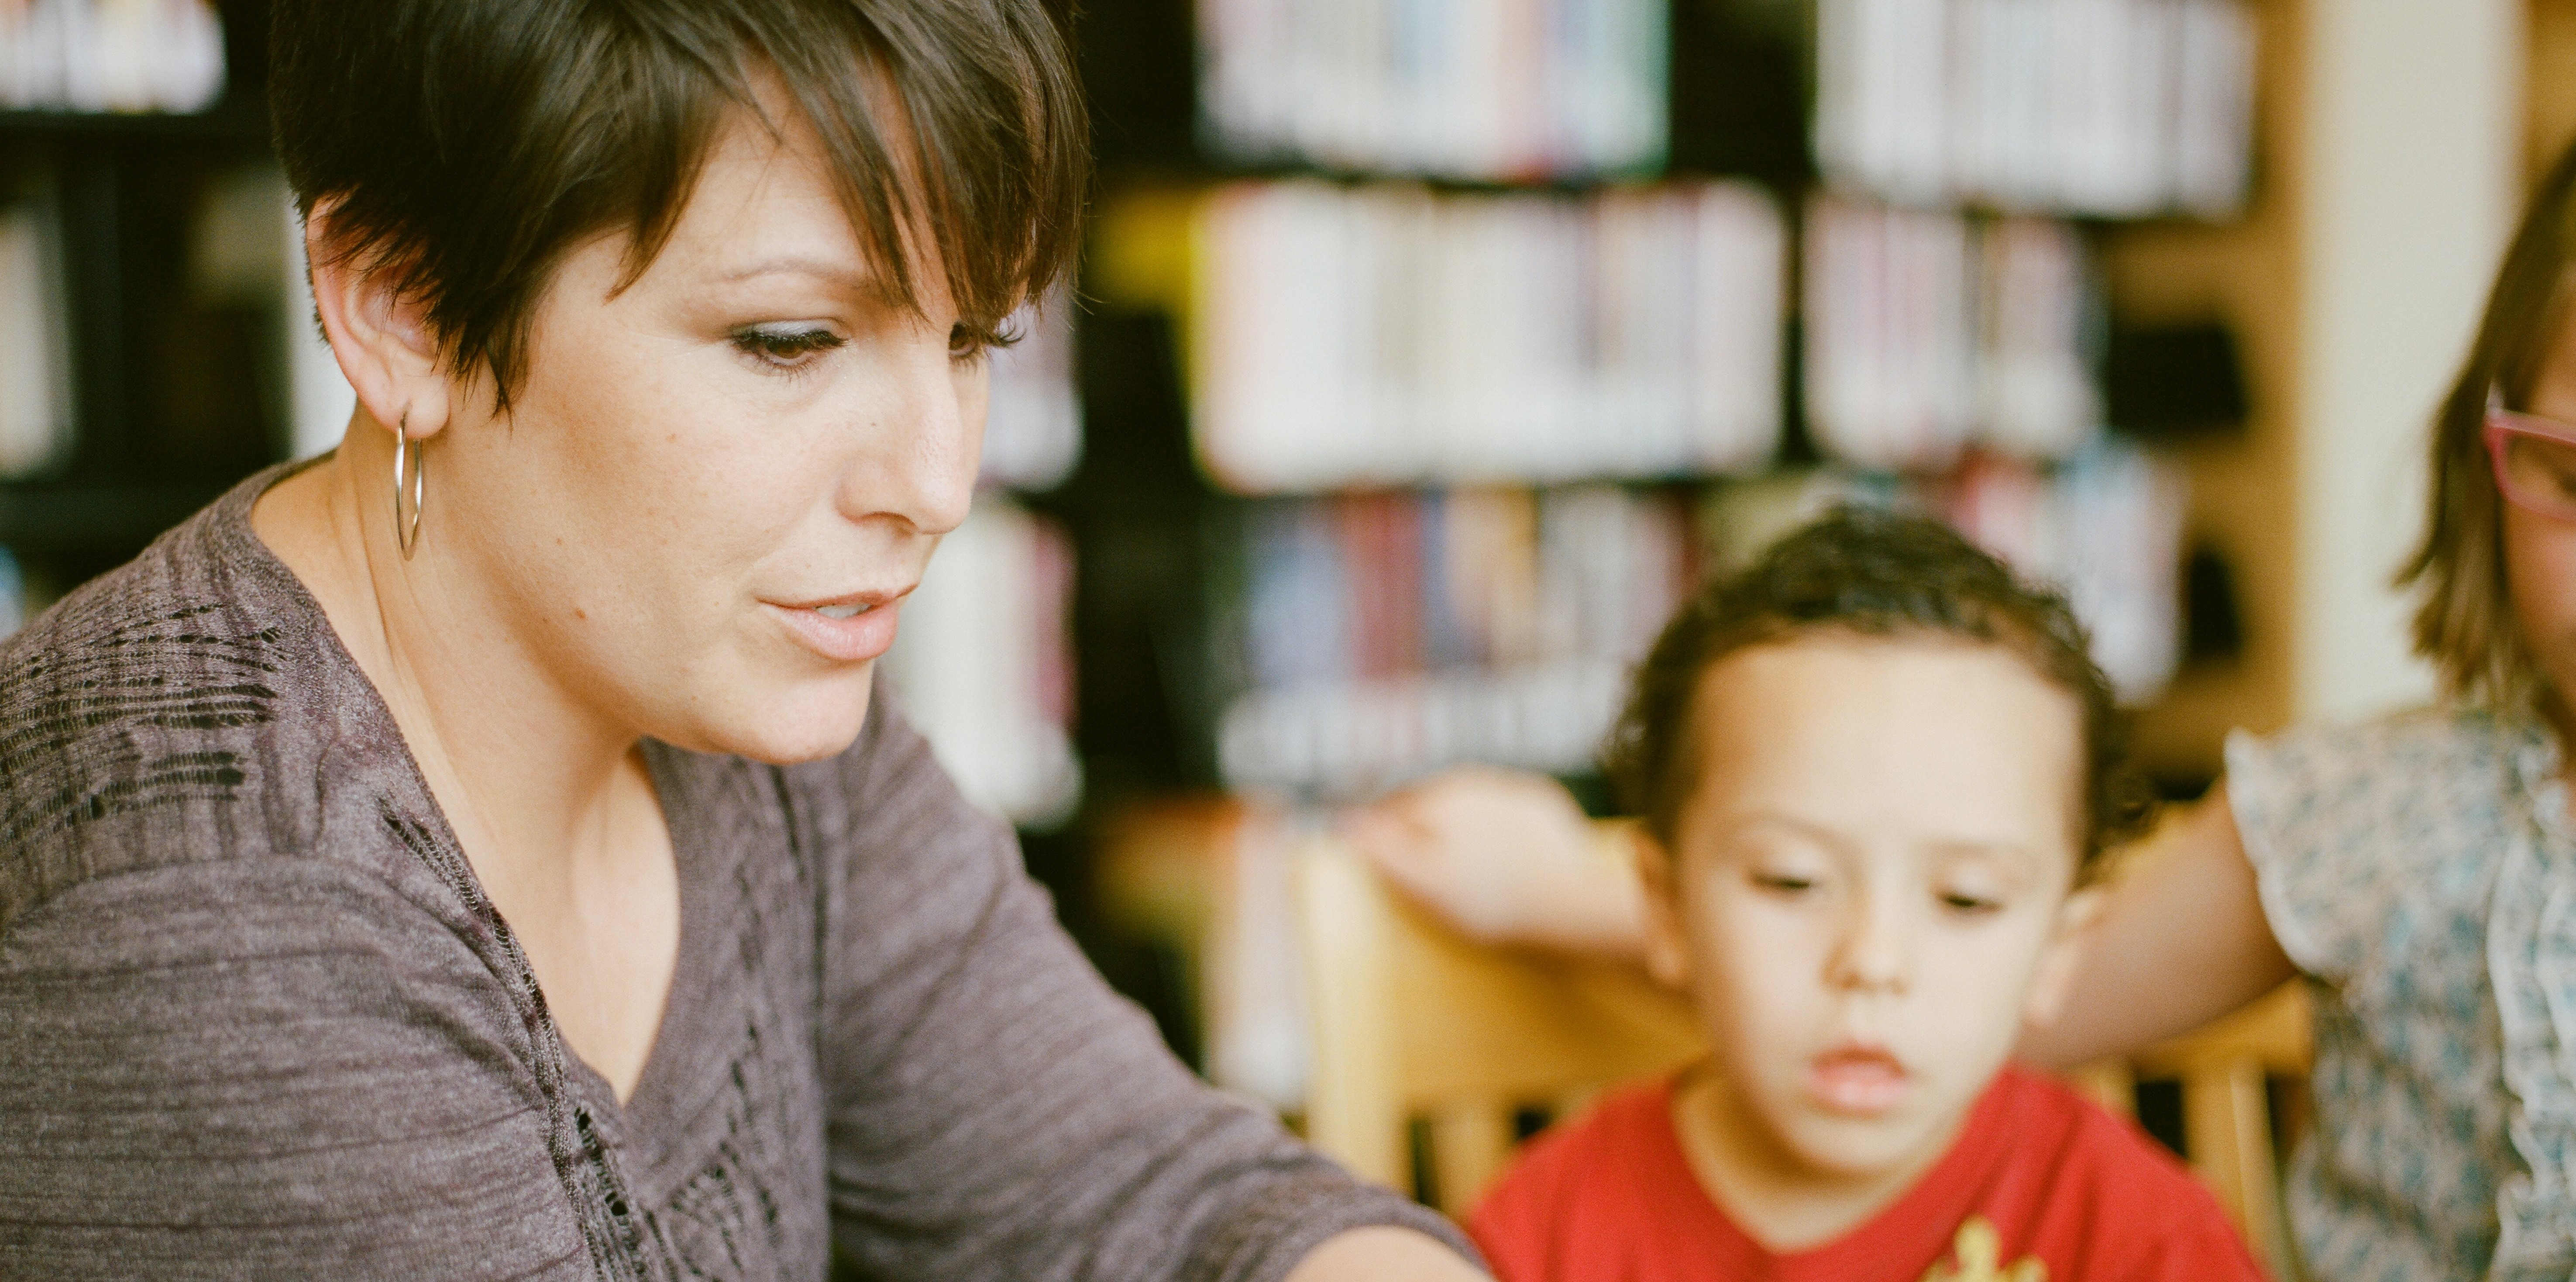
(840, 273)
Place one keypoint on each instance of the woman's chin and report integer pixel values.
(806, 721)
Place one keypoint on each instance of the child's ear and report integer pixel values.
(2063, 953)
(1667, 944)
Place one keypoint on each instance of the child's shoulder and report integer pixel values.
(2091, 1189)
(1568, 1157)
(1600, 1194)
(2054, 1129)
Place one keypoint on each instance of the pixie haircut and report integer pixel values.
(1870, 574)
(2463, 615)
(464, 146)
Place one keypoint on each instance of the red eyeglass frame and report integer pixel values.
(2501, 426)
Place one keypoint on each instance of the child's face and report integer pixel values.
(2540, 551)
(1870, 888)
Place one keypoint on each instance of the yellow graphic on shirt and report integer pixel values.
(1974, 1256)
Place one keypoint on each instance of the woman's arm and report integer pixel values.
(1506, 857)
(1384, 1255)
(266, 1067)
(2182, 941)
(997, 1112)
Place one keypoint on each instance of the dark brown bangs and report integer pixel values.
(467, 145)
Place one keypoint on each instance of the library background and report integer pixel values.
(1425, 352)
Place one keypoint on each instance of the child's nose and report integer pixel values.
(1876, 954)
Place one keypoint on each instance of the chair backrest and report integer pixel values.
(2226, 1072)
(1411, 1022)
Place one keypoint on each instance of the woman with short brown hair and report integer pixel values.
(485, 852)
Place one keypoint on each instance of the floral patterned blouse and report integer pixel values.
(2422, 870)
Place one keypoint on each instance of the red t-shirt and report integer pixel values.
(1610, 1198)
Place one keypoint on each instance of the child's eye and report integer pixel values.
(785, 349)
(1970, 905)
(1784, 883)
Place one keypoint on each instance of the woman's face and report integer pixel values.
(2540, 551)
(705, 504)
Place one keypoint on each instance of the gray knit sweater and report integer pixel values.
(257, 1020)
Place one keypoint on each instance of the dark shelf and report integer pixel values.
(225, 123)
(1212, 169)
(113, 517)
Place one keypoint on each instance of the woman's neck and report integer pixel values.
(550, 799)
(525, 774)
(1778, 1199)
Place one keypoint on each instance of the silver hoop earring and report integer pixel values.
(411, 478)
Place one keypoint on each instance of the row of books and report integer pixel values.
(1385, 636)
(1928, 332)
(1384, 334)
(2106, 527)
(983, 663)
(110, 55)
(2116, 108)
(35, 352)
(1493, 90)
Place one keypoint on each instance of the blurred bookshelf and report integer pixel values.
(138, 333)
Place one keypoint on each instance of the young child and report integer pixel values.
(2420, 870)
(1876, 771)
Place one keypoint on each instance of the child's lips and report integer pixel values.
(1857, 1081)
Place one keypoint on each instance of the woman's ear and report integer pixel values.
(380, 336)
(1667, 943)
(2064, 951)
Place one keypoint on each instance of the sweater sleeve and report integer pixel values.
(275, 1068)
(995, 1110)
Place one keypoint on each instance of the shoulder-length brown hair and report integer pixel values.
(2463, 616)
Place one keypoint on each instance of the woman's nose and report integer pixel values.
(927, 445)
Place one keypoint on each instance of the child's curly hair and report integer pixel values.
(1875, 574)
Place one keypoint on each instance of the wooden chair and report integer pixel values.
(1411, 1022)
(2226, 1072)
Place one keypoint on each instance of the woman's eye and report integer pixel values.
(967, 342)
(2563, 479)
(785, 348)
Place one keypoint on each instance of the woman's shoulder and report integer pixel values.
(189, 706)
(2417, 785)
(2418, 745)
(2379, 840)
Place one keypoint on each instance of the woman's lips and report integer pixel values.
(1857, 1081)
(865, 634)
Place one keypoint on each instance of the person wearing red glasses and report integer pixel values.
(2420, 869)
